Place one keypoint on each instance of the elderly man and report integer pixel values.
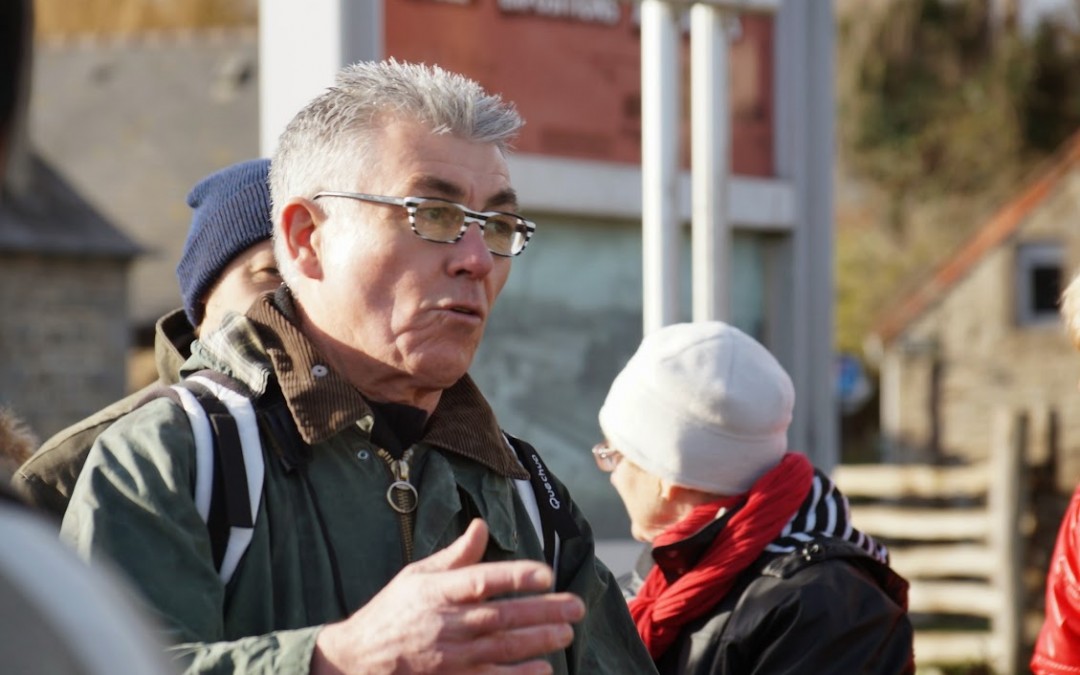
(397, 530)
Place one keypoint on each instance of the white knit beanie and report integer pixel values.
(702, 405)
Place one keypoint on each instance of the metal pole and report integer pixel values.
(659, 163)
(710, 162)
(804, 43)
(333, 32)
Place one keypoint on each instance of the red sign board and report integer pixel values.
(573, 69)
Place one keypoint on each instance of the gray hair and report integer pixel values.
(328, 144)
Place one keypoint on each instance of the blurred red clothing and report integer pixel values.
(1057, 651)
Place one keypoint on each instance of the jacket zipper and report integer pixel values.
(402, 497)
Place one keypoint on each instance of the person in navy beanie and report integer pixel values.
(227, 261)
(231, 213)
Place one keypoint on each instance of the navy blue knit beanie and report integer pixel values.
(231, 213)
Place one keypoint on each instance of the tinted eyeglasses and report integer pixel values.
(607, 458)
(442, 221)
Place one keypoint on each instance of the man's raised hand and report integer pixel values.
(438, 616)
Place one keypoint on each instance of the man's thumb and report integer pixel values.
(467, 549)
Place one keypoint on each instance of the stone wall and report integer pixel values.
(63, 337)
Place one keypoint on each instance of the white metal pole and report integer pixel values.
(804, 45)
(333, 33)
(659, 163)
(710, 154)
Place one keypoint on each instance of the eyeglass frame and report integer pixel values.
(607, 458)
(410, 204)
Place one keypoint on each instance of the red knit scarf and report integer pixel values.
(661, 609)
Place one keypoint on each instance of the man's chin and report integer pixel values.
(440, 372)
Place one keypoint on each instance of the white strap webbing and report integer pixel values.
(244, 414)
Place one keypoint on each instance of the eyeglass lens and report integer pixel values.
(606, 457)
(442, 221)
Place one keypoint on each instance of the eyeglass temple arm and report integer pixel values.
(395, 201)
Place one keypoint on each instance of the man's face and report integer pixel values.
(417, 307)
(245, 278)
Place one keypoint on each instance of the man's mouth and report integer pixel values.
(466, 310)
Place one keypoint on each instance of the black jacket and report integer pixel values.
(828, 607)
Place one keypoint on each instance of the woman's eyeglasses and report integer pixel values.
(606, 457)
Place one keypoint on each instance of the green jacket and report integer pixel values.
(325, 539)
(46, 480)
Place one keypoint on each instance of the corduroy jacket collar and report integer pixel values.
(266, 344)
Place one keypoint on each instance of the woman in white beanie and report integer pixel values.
(755, 566)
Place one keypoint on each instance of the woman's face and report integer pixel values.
(647, 503)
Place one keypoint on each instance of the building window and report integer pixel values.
(1039, 276)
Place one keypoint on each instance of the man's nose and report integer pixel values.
(471, 255)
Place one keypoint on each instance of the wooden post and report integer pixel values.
(1005, 503)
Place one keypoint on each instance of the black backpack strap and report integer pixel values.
(229, 492)
(555, 518)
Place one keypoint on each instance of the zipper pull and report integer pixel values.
(401, 495)
(400, 467)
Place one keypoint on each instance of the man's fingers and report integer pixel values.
(518, 651)
(527, 668)
(467, 549)
(476, 583)
(514, 647)
(466, 580)
(516, 613)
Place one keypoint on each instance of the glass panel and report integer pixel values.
(565, 324)
(1045, 288)
(1039, 269)
(748, 288)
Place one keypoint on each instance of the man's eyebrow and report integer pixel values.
(431, 186)
(502, 200)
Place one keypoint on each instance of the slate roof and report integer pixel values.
(134, 124)
(992, 234)
(48, 217)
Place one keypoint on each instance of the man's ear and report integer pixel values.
(301, 221)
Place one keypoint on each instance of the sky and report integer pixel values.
(1030, 10)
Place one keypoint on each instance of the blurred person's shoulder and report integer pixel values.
(61, 616)
(45, 480)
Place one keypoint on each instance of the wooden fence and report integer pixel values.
(956, 533)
